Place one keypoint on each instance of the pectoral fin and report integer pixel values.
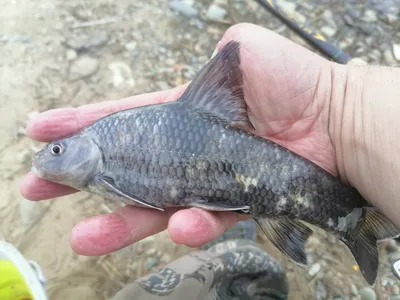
(218, 206)
(289, 236)
(108, 183)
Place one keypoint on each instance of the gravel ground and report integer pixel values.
(57, 54)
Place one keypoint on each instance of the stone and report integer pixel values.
(367, 293)
(71, 54)
(162, 85)
(370, 16)
(215, 13)
(183, 7)
(151, 262)
(121, 74)
(315, 268)
(328, 31)
(130, 46)
(396, 51)
(83, 68)
(93, 39)
(395, 290)
(286, 6)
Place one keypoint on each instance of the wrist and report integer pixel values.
(364, 127)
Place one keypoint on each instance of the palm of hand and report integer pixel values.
(287, 90)
(288, 96)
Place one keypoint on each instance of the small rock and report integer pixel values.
(396, 51)
(151, 262)
(151, 252)
(315, 268)
(71, 54)
(370, 16)
(130, 46)
(162, 85)
(30, 211)
(287, 7)
(165, 258)
(82, 68)
(328, 31)
(375, 54)
(348, 20)
(391, 19)
(184, 8)
(121, 73)
(395, 290)
(367, 293)
(86, 41)
(32, 115)
(353, 13)
(320, 290)
(215, 13)
(354, 290)
(301, 19)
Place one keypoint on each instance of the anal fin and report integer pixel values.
(108, 184)
(362, 241)
(289, 236)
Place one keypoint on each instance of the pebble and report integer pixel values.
(286, 6)
(396, 51)
(395, 290)
(130, 46)
(215, 13)
(370, 16)
(320, 290)
(348, 20)
(82, 68)
(328, 31)
(121, 73)
(166, 258)
(85, 41)
(15, 38)
(151, 262)
(354, 290)
(30, 211)
(71, 54)
(353, 13)
(315, 268)
(301, 19)
(367, 293)
(183, 7)
(162, 85)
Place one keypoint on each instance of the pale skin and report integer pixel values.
(343, 118)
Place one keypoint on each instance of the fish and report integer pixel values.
(201, 151)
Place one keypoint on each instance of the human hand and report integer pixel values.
(287, 89)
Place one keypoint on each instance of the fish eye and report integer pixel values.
(57, 149)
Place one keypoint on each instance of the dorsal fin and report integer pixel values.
(217, 88)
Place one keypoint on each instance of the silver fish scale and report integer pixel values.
(169, 155)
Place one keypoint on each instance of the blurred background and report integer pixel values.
(69, 53)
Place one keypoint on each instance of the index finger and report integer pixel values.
(58, 123)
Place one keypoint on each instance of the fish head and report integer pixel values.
(71, 161)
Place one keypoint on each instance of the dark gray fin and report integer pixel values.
(217, 88)
(362, 241)
(215, 206)
(289, 236)
(109, 184)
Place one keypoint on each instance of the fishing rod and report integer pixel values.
(317, 40)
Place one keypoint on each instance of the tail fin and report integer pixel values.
(362, 241)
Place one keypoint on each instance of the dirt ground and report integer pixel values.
(57, 54)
